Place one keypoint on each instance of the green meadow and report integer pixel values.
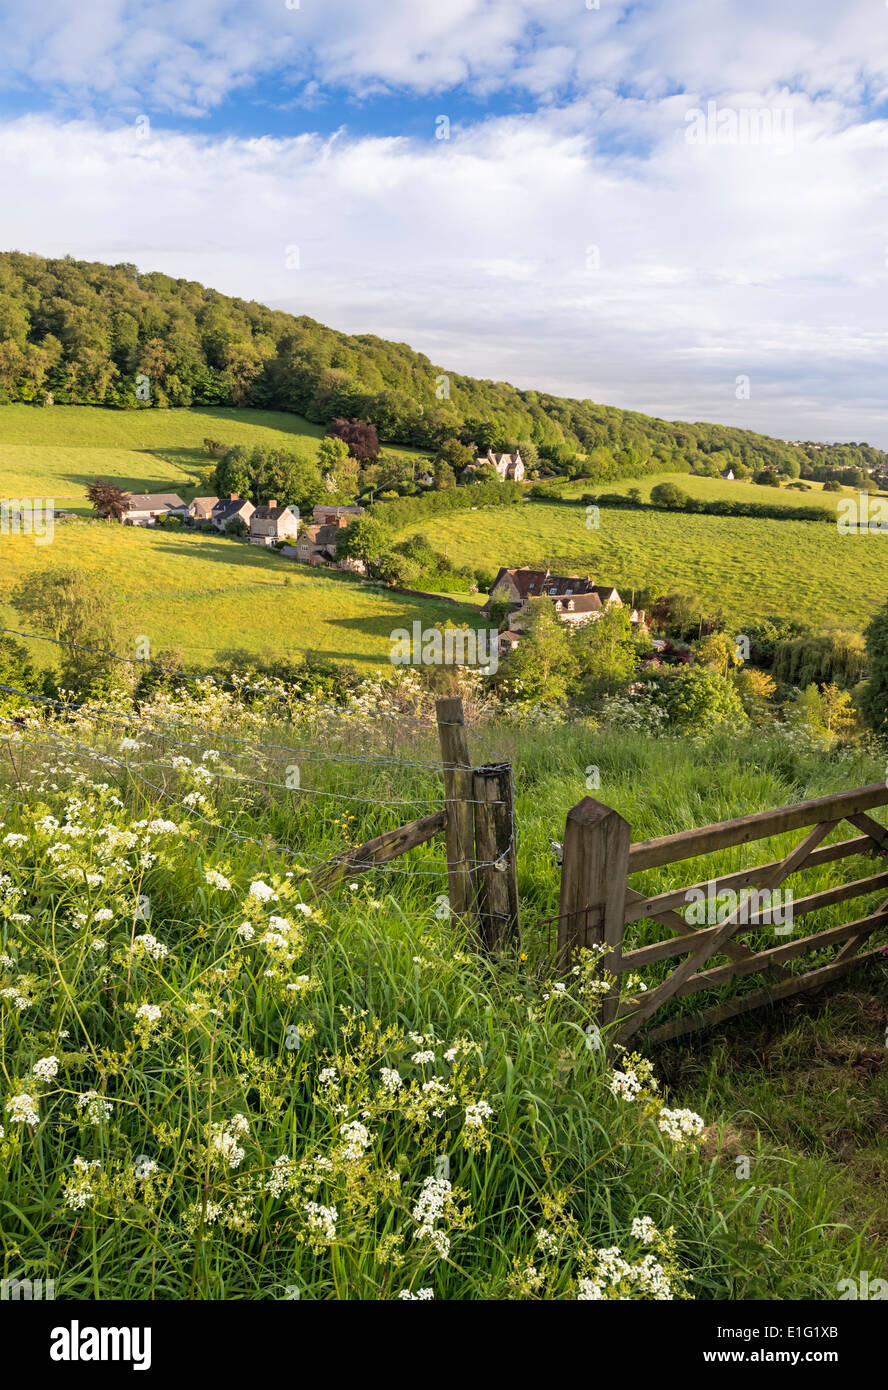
(57, 452)
(208, 595)
(715, 490)
(745, 566)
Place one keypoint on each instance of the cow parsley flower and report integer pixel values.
(46, 1068)
(225, 1139)
(356, 1139)
(681, 1126)
(162, 827)
(625, 1084)
(643, 1229)
(15, 996)
(78, 1188)
(262, 892)
(217, 880)
(22, 1109)
(95, 1107)
(476, 1114)
(148, 945)
(546, 1241)
(322, 1220)
(429, 1209)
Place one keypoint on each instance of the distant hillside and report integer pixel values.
(84, 332)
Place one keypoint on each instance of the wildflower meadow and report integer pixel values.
(219, 1083)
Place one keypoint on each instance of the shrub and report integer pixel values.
(695, 698)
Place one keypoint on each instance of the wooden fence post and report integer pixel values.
(594, 877)
(460, 830)
(496, 863)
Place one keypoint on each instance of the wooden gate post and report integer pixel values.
(496, 862)
(594, 875)
(460, 829)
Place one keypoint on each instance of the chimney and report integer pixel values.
(273, 502)
(234, 497)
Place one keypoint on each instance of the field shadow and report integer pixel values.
(190, 461)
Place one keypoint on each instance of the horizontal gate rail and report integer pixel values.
(687, 844)
(597, 903)
(742, 878)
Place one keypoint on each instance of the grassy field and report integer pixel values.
(195, 1099)
(57, 452)
(716, 490)
(746, 567)
(208, 594)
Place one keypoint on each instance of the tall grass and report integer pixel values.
(547, 1164)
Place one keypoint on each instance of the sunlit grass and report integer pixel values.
(564, 1152)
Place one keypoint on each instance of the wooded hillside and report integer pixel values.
(86, 333)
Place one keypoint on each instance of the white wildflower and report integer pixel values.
(262, 892)
(95, 1107)
(321, 1219)
(22, 1110)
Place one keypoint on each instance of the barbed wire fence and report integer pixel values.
(162, 748)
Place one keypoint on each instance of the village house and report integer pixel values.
(272, 523)
(510, 467)
(316, 544)
(143, 508)
(201, 508)
(576, 600)
(230, 509)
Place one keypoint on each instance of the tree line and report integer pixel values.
(76, 332)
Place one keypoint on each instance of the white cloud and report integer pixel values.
(186, 55)
(712, 260)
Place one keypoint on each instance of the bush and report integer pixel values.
(695, 698)
(669, 496)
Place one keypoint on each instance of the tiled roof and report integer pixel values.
(153, 501)
(223, 511)
(269, 513)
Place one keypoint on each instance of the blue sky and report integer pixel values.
(580, 229)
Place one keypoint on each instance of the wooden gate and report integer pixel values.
(597, 903)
